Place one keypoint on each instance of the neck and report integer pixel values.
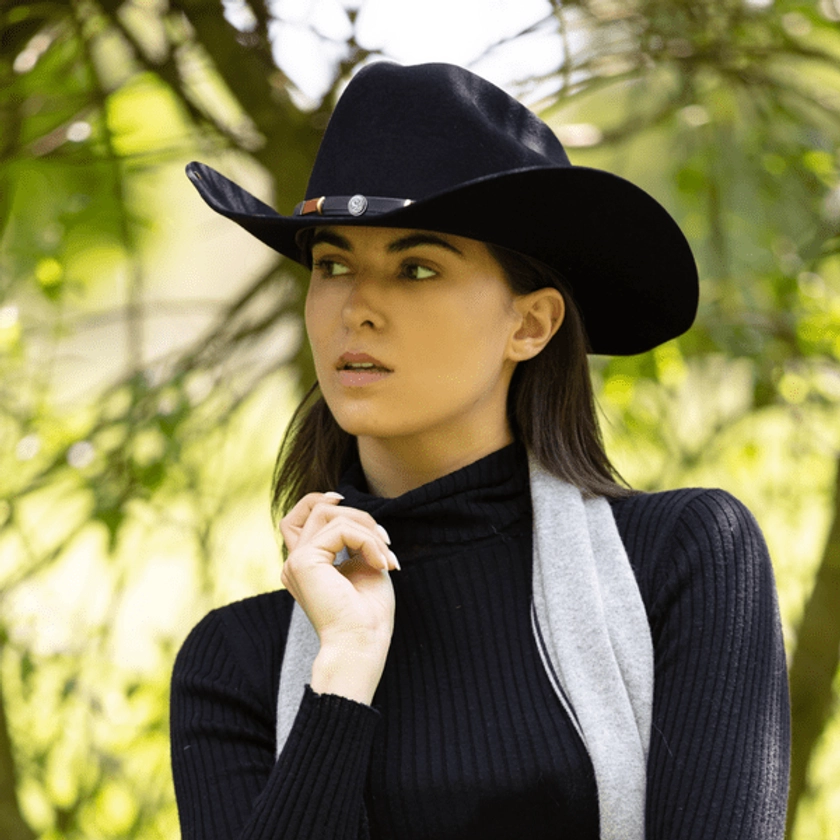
(393, 466)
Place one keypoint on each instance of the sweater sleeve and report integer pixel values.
(222, 720)
(719, 753)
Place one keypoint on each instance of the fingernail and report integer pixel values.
(395, 561)
(333, 495)
(384, 534)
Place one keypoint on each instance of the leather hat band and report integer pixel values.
(350, 205)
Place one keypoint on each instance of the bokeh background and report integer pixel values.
(151, 352)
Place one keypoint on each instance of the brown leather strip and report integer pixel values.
(313, 205)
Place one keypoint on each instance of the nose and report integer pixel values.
(362, 307)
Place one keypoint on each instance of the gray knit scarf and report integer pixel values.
(592, 632)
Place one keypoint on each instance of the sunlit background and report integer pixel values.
(151, 352)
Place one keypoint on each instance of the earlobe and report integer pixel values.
(541, 314)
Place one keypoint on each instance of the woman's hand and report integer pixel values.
(351, 606)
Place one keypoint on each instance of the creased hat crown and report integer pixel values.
(413, 132)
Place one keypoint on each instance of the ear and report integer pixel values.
(540, 315)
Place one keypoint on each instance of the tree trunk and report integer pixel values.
(12, 824)
(815, 663)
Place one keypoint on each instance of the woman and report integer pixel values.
(483, 634)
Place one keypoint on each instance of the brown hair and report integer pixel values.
(551, 409)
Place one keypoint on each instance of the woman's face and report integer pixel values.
(411, 335)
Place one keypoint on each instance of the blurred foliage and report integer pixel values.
(135, 485)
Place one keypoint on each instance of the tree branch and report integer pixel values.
(815, 663)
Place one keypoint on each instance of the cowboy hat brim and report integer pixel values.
(629, 266)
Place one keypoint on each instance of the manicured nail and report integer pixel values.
(395, 561)
(384, 534)
(333, 495)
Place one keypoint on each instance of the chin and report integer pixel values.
(368, 421)
(359, 427)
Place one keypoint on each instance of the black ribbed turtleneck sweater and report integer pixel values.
(465, 737)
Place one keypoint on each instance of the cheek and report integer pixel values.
(488, 321)
(466, 350)
(308, 309)
(315, 323)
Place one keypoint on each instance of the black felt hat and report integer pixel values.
(436, 147)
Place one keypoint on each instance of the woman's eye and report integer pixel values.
(330, 268)
(415, 271)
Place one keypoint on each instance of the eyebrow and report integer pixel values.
(404, 243)
(330, 237)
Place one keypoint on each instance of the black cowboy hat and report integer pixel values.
(436, 147)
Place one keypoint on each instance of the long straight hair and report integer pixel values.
(550, 407)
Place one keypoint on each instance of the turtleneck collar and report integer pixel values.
(491, 496)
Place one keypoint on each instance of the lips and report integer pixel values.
(361, 362)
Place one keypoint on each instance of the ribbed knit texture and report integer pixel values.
(466, 737)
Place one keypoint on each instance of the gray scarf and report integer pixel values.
(592, 632)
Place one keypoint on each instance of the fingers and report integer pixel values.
(305, 568)
(292, 523)
(324, 528)
(323, 513)
(358, 538)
